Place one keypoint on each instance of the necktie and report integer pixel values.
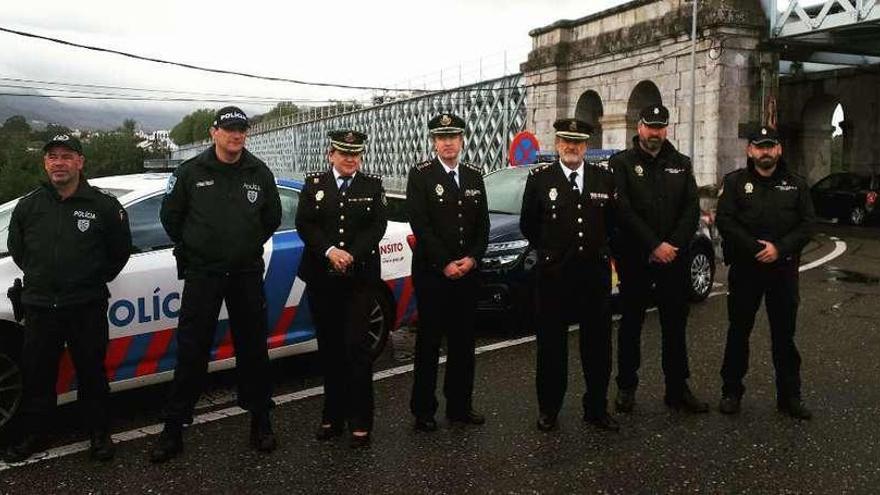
(452, 178)
(572, 177)
(344, 186)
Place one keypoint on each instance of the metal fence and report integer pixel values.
(398, 136)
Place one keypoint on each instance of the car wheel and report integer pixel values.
(702, 273)
(10, 388)
(857, 215)
(382, 319)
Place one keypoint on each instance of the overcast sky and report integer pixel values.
(388, 43)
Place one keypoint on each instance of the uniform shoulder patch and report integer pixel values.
(540, 168)
(601, 165)
(423, 165)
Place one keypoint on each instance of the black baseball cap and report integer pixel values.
(764, 136)
(654, 116)
(348, 141)
(230, 117)
(446, 123)
(66, 140)
(573, 129)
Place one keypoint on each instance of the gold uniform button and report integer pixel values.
(580, 234)
(554, 215)
(459, 202)
(579, 206)
(341, 204)
(461, 229)
(341, 231)
(342, 217)
(580, 220)
(461, 242)
(459, 215)
(580, 248)
(341, 243)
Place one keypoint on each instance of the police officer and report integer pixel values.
(341, 219)
(446, 201)
(220, 207)
(658, 212)
(567, 212)
(69, 239)
(765, 216)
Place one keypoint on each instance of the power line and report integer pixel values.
(192, 66)
(147, 98)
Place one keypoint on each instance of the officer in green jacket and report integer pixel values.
(219, 209)
(70, 240)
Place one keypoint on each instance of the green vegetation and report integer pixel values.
(21, 154)
(194, 127)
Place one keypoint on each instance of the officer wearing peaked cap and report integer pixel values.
(765, 216)
(220, 207)
(446, 201)
(567, 215)
(341, 219)
(70, 240)
(658, 213)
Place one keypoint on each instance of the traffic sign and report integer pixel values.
(523, 149)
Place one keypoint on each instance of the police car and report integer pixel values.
(145, 297)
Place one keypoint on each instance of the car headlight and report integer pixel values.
(503, 254)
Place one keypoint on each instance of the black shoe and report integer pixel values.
(262, 436)
(729, 404)
(24, 448)
(357, 441)
(794, 408)
(602, 421)
(426, 423)
(327, 431)
(169, 445)
(547, 422)
(470, 417)
(686, 401)
(101, 446)
(625, 400)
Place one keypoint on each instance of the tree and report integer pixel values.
(280, 110)
(194, 127)
(113, 153)
(128, 127)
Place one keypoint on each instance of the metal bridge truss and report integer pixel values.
(398, 136)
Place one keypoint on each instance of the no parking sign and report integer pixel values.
(523, 149)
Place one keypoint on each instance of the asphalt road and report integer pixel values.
(657, 451)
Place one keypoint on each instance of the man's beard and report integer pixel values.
(571, 159)
(766, 162)
(652, 144)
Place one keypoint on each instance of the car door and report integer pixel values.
(822, 193)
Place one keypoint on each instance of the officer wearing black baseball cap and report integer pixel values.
(70, 240)
(765, 217)
(220, 207)
(658, 213)
(567, 217)
(446, 201)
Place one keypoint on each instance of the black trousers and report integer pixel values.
(203, 295)
(341, 309)
(777, 283)
(84, 329)
(446, 307)
(577, 291)
(669, 284)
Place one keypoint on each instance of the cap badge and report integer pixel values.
(439, 190)
(553, 194)
(61, 137)
(763, 132)
(319, 195)
(639, 170)
(749, 188)
(445, 120)
(572, 126)
(349, 138)
(656, 111)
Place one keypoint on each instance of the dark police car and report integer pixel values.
(847, 196)
(507, 267)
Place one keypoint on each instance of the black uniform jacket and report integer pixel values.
(68, 249)
(776, 209)
(354, 221)
(449, 222)
(219, 215)
(562, 223)
(657, 200)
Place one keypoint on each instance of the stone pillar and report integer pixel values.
(614, 132)
(816, 141)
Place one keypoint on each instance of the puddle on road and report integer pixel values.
(837, 275)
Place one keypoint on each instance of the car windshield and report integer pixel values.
(504, 189)
(5, 216)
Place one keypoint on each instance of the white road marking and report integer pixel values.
(229, 412)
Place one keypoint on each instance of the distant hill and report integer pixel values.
(92, 115)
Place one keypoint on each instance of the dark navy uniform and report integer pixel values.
(449, 222)
(69, 249)
(657, 203)
(777, 209)
(352, 220)
(569, 228)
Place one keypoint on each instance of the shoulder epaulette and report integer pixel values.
(373, 176)
(473, 167)
(422, 165)
(32, 192)
(105, 193)
(602, 165)
(540, 168)
(734, 171)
